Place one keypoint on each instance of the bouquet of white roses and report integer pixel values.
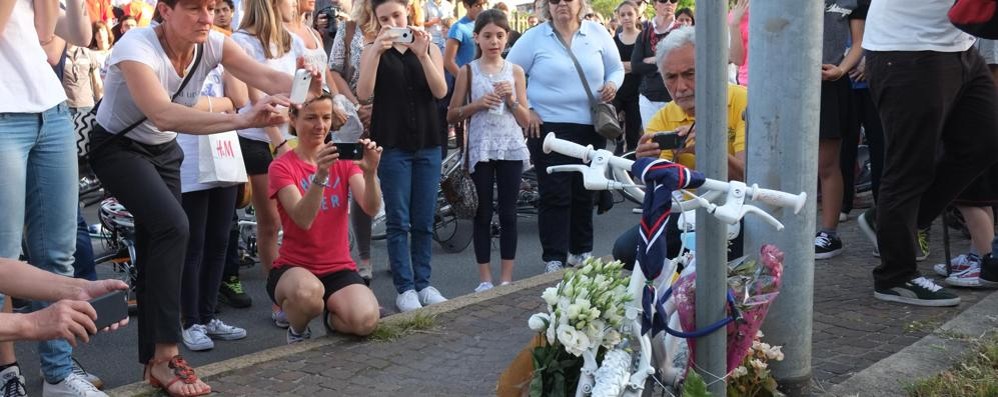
(585, 312)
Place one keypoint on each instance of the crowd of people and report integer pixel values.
(164, 79)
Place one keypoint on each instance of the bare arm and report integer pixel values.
(303, 209)
(736, 166)
(365, 187)
(433, 68)
(520, 112)
(53, 50)
(46, 17)
(6, 9)
(253, 73)
(450, 56)
(74, 24)
(856, 29)
(370, 59)
(459, 110)
(235, 90)
(341, 85)
(736, 51)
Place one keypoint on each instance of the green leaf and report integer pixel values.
(694, 386)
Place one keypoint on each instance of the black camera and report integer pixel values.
(332, 21)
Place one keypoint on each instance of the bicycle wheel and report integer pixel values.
(453, 234)
(632, 193)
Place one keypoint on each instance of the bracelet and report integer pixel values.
(460, 112)
(367, 101)
(324, 182)
(284, 142)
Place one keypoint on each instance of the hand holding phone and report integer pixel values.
(402, 35)
(299, 86)
(350, 151)
(110, 308)
(668, 140)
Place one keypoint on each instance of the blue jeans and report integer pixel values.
(39, 192)
(83, 264)
(409, 184)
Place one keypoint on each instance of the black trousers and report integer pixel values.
(928, 101)
(633, 125)
(146, 180)
(504, 177)
(565, 210)
(208, 213)
(231, 268)
(867, 118)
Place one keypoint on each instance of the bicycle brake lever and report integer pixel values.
(765, 215)
(566, 168)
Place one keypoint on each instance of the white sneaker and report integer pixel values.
(957, 265)
(485, 286)
(216, 329)
(79, 370)
(293, 338)
(196, 338)
(408, 301)
(73, 386)
(13, 382)
(280, 319)
(430, 296)
(552, 266)
(576, 260)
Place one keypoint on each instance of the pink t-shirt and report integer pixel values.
(743, 27)
(324, 248)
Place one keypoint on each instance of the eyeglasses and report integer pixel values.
(668, 1)
(556, 2)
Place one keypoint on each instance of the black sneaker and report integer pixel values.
(920, 291)
(826, 246)
(989, 272)
(867, 222)
(231, 293)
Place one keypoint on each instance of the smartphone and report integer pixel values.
(110, 308)
(350, 151)
(299, 86)
(402, 35)
(668, 140)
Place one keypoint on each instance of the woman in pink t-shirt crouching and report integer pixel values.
(314, 274)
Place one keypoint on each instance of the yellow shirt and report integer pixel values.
(672, 116)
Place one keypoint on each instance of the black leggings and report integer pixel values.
(146, 180)
(633, 126)
(506, 176)
(208, 213)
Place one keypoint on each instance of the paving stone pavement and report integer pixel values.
(468, 348)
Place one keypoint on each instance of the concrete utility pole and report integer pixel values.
(784, 100)
(712, 159)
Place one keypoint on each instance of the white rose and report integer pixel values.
(611, 339)
(775, 353)
(575, 342)
(550, 333)
(550, 296)
(539, 321)
(739, 372)
(757, 364)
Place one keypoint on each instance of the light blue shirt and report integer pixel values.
(553, 86)
(462, 31)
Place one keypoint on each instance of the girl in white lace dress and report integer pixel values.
(496, 148)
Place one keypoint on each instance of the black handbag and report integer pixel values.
(977, 17)
(457, 186)
(604, 114)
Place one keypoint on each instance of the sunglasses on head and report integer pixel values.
(668, 1)
(556, 2)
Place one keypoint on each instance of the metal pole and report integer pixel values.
(712, 160)
(785, 50)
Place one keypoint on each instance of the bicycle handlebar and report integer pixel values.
(587, 154)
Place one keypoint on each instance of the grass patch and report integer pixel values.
(388, 332)
(976, 374)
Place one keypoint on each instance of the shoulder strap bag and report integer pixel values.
(84, 124)
(457, 186)
(604, 114)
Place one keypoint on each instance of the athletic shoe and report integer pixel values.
(989, 272)
(79, 370)
(430, 296)
(73, 385)
(577, 260)
(293, 337)
(826, 246)
(923, 245)
(958, 264)
(408, 301)
(13, 382)
(485, 286)
(280, 319)
(919, 291)
(196, 338)
(366, 271)
(969, 278)
(552, 266)
(868, 224)
(216, 329)
(231, 293)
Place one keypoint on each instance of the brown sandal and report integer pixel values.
(182, 372)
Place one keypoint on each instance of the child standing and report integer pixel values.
(496, 149)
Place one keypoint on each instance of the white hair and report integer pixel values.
(676, 39)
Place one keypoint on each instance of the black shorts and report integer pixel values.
(256, 155)
(332, 282)
(836, 108)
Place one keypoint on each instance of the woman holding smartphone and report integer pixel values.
(403, 80)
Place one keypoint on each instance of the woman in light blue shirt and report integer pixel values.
(560, 104)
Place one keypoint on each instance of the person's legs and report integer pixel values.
(830, 175)
(423, 205)
(268, 222)
(847, 159)
(395, 172)
(633, 122)
(874, 132)
(221, 202)
(980, 222)
(580, 237)
(509, 175)
(484, 178)
(353, 310)
(299, 293)
(554, 205)
(52, 206)
(361, 224)
(83, 260)
(196, 207)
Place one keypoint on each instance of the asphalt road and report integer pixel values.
(114, 357)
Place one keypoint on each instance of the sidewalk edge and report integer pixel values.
(226, 366)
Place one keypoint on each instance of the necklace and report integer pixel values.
(180, 67)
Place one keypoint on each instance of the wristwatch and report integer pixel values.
(324, 182)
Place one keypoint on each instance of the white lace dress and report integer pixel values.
(493, 136)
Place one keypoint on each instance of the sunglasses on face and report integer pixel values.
(667, 1)
(556, 2)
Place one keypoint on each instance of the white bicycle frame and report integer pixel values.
(612, 378)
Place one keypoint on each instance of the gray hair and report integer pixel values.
(546, 10)
(677, 38)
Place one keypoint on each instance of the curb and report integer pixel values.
(930, 355)
(233, 364)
